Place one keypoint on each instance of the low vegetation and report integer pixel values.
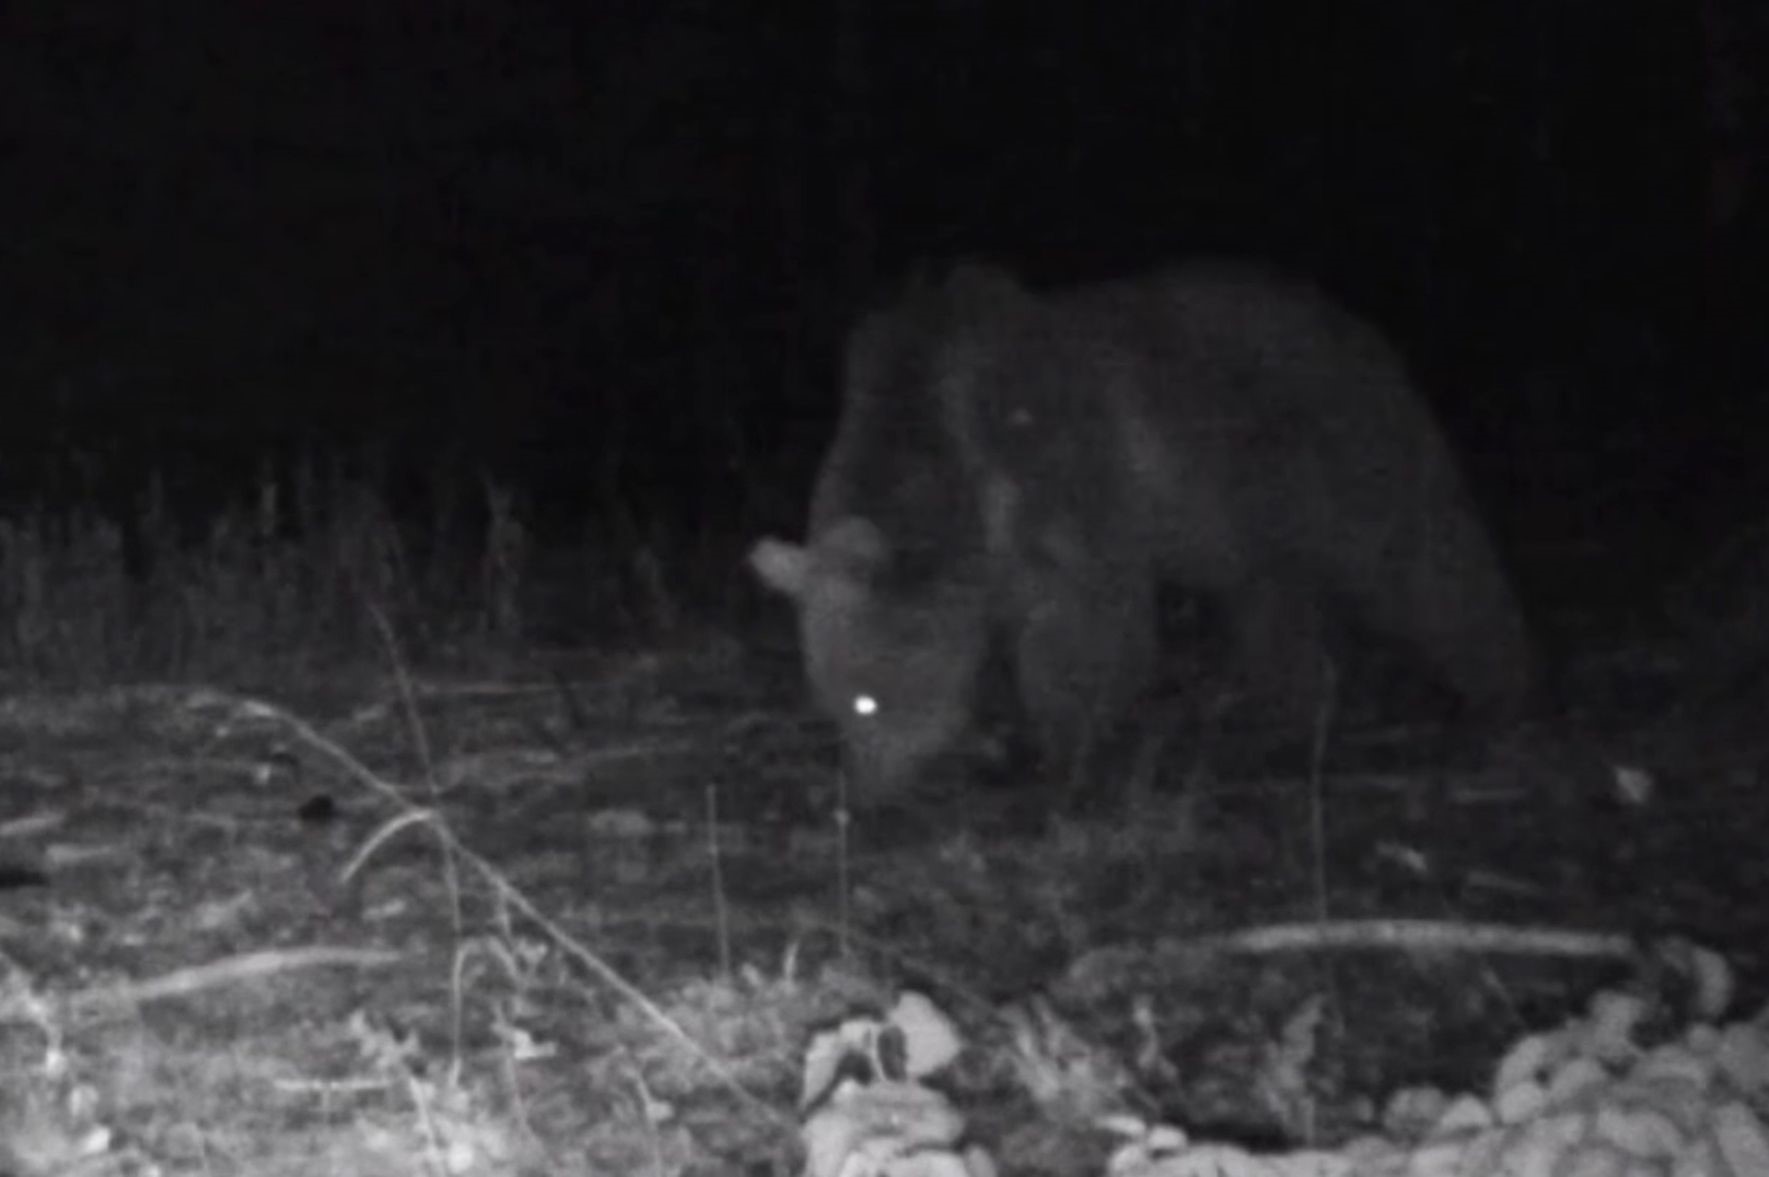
(334, 844)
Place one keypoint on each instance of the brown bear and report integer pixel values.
(1018, 474)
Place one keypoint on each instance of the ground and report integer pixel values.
(582, 914)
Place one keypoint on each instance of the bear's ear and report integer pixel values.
(848, 553)
(781, 566)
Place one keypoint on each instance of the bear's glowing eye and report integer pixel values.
(865, 705)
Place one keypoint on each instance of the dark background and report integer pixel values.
(605, 252)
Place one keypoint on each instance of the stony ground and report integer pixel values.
(583, 916)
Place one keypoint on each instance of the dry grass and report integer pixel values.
(285, 580)
(549, 918)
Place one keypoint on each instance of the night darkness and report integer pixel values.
(608, 253)
(484, 339)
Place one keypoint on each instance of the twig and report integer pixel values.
(1422, 936)
(227, 971)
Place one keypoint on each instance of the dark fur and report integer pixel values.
(1025, 471)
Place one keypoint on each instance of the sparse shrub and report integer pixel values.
(280, 582)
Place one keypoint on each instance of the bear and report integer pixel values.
(1018, 476)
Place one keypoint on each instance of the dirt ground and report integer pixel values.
(584, 914)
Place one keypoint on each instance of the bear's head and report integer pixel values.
(893, 663)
